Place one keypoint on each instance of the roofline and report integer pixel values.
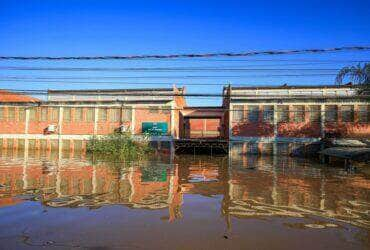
(112, 90)
(292, 98)
(203, 107)
(293, 87)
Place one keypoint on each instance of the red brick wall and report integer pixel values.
(300, 129)
(207, 127)
(348, 129)
(305, 129)
(14, 126)
(252, 129)
(145, 115)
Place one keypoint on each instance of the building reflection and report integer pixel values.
(250, 186)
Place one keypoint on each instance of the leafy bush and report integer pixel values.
(117, 145)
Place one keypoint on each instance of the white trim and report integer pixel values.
(77, 137)
(273, 139)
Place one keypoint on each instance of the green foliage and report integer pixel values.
(119, 146)
(359, 74)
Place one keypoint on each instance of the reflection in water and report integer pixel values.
(250, 187)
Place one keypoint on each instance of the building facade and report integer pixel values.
(69, 118)
(290, 119)
(254, 120)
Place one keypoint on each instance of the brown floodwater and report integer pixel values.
(188, 202)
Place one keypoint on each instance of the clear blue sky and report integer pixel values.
(86, 27)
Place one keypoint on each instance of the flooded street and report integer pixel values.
(188, 202)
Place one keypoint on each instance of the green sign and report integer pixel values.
(154, 128)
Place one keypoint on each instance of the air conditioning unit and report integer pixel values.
(124, 128)
(51, 128)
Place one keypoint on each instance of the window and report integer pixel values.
(331, 113)
(54, 114)
(253, 112)
(21, 114)
(314, 113)
(347, 113)
(11, 114)
(78, 115)
(363, 113)
(103, 113)
(238, 113)
(298, 112)
(153, 109)
(67, 114)
(33, 114)
(268, 114)
(115, 115)
(90, 114)
(283, 113)
(1, 113)
(127, 114)
(44, 114)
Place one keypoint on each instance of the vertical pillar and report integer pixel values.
(132, 182)
(133, 111)
(94, 180)
(96, 116)
(231, 114)
(26, 134)
(275, 126)
(58, 181)
(322, 193)
(60, 132)
(274, 193)
(322, 120)
(172, 120)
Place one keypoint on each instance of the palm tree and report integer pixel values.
(359, 74)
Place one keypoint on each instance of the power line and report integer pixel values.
(120, 83)
(147, 93)
(203, 55)
(168, 108)
(170, 77)
(161, 69)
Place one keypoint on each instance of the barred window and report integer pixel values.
(44, 114)
(253, 112)
(363, 113)
(103, 114)
(127, 114)
(33, 114)
(54, 114)
(115, 115)
(11, 113)
(78, 115)
(298, 113)
(153, 109)
(331, 113)
(283, 113)
(268, 114)
(314, 113)
(67, 114)
(21, 114)
(90, 114)
(347, 113)
(238, 113)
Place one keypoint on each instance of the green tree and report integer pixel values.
(359, 74)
